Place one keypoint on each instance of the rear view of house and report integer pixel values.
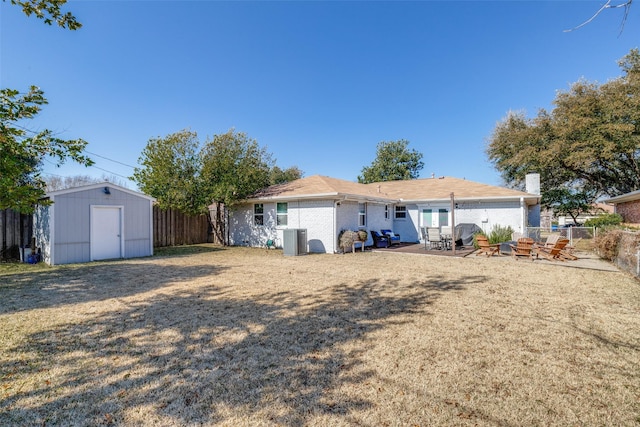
(94, 222)
(325, 206)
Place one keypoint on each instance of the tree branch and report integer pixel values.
(607, 5)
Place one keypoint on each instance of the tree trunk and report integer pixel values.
(218, 224)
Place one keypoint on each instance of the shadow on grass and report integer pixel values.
(98, 281)
(203, 356)
(186, 250)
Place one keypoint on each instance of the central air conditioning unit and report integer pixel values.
(294, 242)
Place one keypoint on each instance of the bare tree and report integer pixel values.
(608, 5)
(55, 182)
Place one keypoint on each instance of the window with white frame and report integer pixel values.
(386, 211)
(401, 212)
(281, 213)
(443, 217)
(362, 214)
(258, 214)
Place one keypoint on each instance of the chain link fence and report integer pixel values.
(580, 238)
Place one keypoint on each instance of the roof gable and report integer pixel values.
(52, 194)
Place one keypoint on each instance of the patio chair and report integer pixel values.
(568, 252)
(379, 241)
(435, 240)
(551, 253)
(487, 248)
(446, 234)
(523, 248)
(552, 239)
(425, 236)
(393, 238)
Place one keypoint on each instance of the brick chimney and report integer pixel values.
(532, 184)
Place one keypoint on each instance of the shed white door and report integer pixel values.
(106, 232)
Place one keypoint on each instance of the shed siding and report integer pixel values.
(70, 233)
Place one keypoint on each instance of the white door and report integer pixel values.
(106, 232)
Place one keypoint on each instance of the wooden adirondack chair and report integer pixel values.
(487, 248)
(552, 254)
(568, 252)
(551, 240)
(523, 248)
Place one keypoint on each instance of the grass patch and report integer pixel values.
(186, 250)
(249, 337)
(15, 267)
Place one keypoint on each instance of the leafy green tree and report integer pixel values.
(394, 161)
(279, 176)
(170, 171)
(182, 174)
(234, 166)
(604, 220)
(22, 151)
(49, 11)
(589, 142)
(563, 201)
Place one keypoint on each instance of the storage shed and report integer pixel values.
(94, 222)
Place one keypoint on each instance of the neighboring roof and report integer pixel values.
(628, 197)
(409, 191)
(602, 207)
(52, 194)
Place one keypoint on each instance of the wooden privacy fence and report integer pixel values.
(15, 230)
(172, 227)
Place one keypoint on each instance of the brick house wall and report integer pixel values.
(630, 211)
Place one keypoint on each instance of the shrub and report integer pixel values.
(347, 237)
(498, 234)
(604, 220)
(607, 242)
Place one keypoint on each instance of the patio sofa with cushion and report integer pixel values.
(393, 238)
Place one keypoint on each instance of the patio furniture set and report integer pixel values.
(555, 248)
(385, 238)
(437, 238)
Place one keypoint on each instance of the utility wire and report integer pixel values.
(92, 166)
(111, 160)
(113, 173)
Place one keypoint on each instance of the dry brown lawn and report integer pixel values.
(247, 337)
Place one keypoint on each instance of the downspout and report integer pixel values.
(334, 235)
(523, 225)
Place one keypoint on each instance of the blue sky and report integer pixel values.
(319, 84)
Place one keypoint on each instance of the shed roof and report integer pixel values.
(417, 190)
(52, 194)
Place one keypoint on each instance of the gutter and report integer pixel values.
(532, 197)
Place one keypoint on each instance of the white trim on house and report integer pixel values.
(628, 197)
